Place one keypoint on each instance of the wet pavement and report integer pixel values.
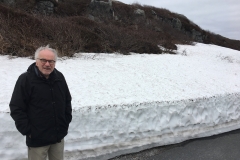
(225, 146)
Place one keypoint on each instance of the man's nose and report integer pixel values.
(47, 63)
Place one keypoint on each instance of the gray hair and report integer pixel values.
(46, 48)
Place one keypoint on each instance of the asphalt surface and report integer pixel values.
(219, 147)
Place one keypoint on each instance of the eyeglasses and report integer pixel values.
(44, 61)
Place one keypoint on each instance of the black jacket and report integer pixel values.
(41, 107)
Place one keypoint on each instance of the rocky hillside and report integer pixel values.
(96, 26)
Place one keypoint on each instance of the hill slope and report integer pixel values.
(96, 26)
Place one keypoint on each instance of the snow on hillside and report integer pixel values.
(123, 104)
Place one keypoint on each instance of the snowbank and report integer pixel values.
(129, 103)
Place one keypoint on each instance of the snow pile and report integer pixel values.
(123, 104)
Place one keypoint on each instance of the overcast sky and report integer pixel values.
(218, 16)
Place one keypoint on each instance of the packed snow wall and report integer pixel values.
(102, 132)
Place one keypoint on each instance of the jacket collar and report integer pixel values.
(34, 69)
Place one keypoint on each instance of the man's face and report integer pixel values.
(46, 67)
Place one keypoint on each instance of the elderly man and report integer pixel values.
(41, 107)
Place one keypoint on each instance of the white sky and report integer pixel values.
(218, 16)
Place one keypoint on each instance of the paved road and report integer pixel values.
(220, 147)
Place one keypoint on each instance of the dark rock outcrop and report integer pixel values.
(101, 9)
(44, 7)
(176, 23)
(101, 6)
(197, 36)
(8, 2)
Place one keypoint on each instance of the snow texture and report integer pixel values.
(123, 104)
